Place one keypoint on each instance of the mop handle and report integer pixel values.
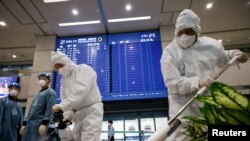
(202, 90)
(173, 124)
(227, 66)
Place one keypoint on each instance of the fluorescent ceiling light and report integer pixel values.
(209, 5)
(79, 23)
(13, 56)
(50, 1)
(2, 23)
(129, 19)
(128, 7)
(220, 40)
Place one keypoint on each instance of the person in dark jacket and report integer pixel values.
(11, 114)
(40, 113)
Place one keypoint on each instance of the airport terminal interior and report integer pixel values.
(123, 41)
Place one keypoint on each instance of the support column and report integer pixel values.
(41, 63)
(167, 35)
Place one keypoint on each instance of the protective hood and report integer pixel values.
(60, 58)
(188, 19)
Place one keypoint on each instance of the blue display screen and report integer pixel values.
(4, 83)
(136, 72)
(91, 50)
(127, 65)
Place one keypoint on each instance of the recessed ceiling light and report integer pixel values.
(220, 40)
(13, 56)
(2, 23)
(209, 5)
(75, 12)
(79, 23)
(129, 19)
(128, 7)
(51, 1)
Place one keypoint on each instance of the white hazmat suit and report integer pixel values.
(182, 68)
(80, 97)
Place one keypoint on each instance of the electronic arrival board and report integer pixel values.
(90, 50)
(127, 65)
(135, 66)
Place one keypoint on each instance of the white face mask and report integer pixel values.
(42, 83)
(185, 40)
(13, 93)
(64, 71)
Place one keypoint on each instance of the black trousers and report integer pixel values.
(112, 138)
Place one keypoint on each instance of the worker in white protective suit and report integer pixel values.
(187, 64)
(80, 98)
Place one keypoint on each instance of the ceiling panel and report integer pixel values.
(15, 34)
(175, 15)
(61, 13)
(225, 15)
(36, 14)
(16, 9)
(175, 5)
(20, 37)
(116, 8)
(131, 26)
(48, 28)
(139, 8)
